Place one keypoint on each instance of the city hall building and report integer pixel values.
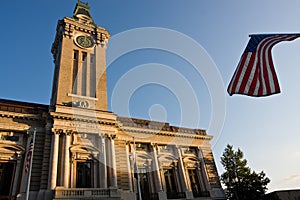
(76, 149)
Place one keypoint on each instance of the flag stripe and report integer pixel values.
(252, 74)
(28, 157)
(255, 74)
(234, 80)
(247, 78)
(241, 68)
(266, 64)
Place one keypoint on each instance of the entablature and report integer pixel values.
(76, 117)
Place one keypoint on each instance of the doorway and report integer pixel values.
(144, 183)
(6, 179)
(84, 174)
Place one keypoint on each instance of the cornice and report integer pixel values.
(70, 25)
(24, 116)
(79, 118)
(164, 133)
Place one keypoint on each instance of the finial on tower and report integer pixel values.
(82, 12)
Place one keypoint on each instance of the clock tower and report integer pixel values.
(80, 67)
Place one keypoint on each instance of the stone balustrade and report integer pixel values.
(85, 193)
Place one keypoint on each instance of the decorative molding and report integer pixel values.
(24, 116)
(76, 118)
(82, 97)
(164, 133)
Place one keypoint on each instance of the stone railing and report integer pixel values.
(85, 193)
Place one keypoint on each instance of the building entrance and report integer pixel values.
(84, 175)
(194, 181)
(171, 188)
(6, 179)
(144, 183)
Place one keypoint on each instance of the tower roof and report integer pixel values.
(82, 12)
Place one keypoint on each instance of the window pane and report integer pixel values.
(83, 175)
(75, 72)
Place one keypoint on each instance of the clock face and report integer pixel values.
(85, 41)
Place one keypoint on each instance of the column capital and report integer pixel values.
(111, 137)
(102, 135)
(199, 148)
(62, 132)
(57, 131)
(153, 144)
(69, 132)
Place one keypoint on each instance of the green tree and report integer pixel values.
(241, 182)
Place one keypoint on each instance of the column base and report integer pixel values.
(127, 195)
(189, 195)
(162, 195)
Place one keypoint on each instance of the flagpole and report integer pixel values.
(30, 166)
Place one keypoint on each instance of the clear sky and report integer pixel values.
(266, 129)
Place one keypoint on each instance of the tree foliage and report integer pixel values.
(241, 182)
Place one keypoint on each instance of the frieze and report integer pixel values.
(86, 139)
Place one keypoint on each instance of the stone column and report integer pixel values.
(156, 169)
(113, 177)
(203, 170)
(67, 159)
(201, 178)
(18, 158)
(72, 170)
(54, 159)
(129, 167)
(188, 181)
(181, 170)
(184, 176)
(24, 176)
(102, 163)
(132, 168)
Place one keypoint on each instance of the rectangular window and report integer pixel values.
(10, 138)
(194, 181)
(144, 183)
(84, 56)
(92, 76)
(84, 72)
(170, 181)
(83, 174)
(142, 147)
(75, 72)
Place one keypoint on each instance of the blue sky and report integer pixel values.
(266, 129)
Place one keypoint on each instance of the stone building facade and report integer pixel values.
(82, 150)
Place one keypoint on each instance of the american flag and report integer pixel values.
(255, 74)
(29, 155)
